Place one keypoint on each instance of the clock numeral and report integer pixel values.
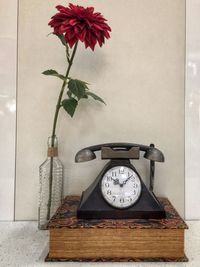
(114, 174)
(130, 199)
(135, 186)
(114, 198)
(121, 200)
(121, 171)
(134, 192)
(108, 179)
(107, 185)
(109, 192)
(133, 179)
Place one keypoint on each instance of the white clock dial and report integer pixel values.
(121, 187)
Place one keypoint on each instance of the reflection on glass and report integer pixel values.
(11, 105)
(193, 67)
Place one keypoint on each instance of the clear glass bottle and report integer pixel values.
(51, 184)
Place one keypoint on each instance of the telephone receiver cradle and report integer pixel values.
(123, 151)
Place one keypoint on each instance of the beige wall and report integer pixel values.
(139, 73)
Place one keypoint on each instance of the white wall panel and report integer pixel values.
(192, 110)
(8, 55)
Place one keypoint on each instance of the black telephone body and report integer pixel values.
(97, 201)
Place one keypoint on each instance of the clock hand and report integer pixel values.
(124, 182)
(116, 181)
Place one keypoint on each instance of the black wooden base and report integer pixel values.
(93, 205)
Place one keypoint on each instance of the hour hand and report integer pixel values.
(116, 181)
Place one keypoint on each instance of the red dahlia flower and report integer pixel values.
(79, 23)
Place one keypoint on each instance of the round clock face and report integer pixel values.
(121, 187)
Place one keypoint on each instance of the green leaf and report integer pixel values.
(96, 97)
(70, 105)
(77, 87)
(62, 39)
(69, 93)
(54, 73)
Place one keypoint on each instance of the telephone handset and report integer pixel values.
(123, 150)
(118, 191)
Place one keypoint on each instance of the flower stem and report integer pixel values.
(58, 106)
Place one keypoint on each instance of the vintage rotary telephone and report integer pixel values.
(118, 192)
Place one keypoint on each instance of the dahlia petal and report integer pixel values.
(76, 9)
(88, 23)
(73, 22)
(90, 9)
(71, 6)
(59, 16)
(97, 33)
(76, 30)
(56, 30)
(87, 40)
(74, 6)
(71, 41)
(60, 7)
(93, 41)
(101, 41)
(86, 44)
(51, 22)
(82, 35)
(106, 27)
(81, 26)
(63, 28)
(63, 9)
(99, 17)
(95, 25)
(106, 34)
(71, 34)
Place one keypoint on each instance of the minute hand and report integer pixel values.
(124, 182)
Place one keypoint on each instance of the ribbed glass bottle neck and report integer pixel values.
(52, 141)
(52, 147)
